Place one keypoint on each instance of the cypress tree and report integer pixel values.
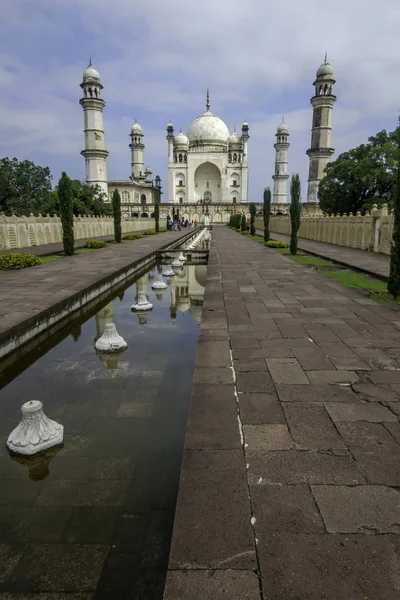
(266, 212)
(66, 201)
(252, 218)
(116, 206)
(232, 221)
(295, 211)
(393, 284)
(243, 224)
(238, 220)
(157, 213)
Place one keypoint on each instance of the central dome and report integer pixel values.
(208, 128)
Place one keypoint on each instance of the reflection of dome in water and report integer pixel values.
(200, 274)
(110, 359)
(159, 295)
(195, 313)
(183, 304)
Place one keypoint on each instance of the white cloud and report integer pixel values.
(156, 59)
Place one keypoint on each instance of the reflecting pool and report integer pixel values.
(96, 515)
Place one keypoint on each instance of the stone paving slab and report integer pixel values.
(374, 263)
(313, 501)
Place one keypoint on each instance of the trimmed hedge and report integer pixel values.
(276, 244)
(12, 262)
(94, 244)
(132, 236)
(149, 232)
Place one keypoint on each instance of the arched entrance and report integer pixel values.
(207, 183)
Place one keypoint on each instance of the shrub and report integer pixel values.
(132, 236)
(116, 207)
(12, 262)
(149, 232)
(65, 198)
(94, 244)
(276, 244)
(253, 211)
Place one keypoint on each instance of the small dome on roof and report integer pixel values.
(136, 128)
(282, 128)
(234, 138)
(90, 74)
(325, 69)
(181, 139)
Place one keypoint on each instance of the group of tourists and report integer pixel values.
(177, 224)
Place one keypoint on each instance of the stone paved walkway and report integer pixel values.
(290, 486)
(27, 293)
(372, 263)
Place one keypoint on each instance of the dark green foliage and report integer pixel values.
(89, 200)
(295, 211)
(231, 221)
(238, 220)
(66, 213)
(116, 206)
(94, 244)
(276, 244)
(12, 262)
(393, 284)
(132, 236)
(266, 212)
(157, 212)
(149, 232)
(361, 177)
(243, 224)
(25, 188)
(253, 211)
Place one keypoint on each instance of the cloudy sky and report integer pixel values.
(157, 57)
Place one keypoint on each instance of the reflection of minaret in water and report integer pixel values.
(105, 315)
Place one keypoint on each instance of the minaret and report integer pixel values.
(137, 148)
(94, 153)
(281, 164)
(321, 133)
(245, 162)
(170, 139)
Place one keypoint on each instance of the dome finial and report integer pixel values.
(90, 60)
(208, 100)
(326, 57)
(283, 119)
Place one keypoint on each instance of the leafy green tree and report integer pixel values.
(361, 177)
(89, 200)
(116, 205)
(24, 187)
(243, 224)
(295, 211)
(266, 213)
(253, 211)
(393, 284)
(65, 199)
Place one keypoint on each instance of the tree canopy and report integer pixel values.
(26, 188)
(360, 177)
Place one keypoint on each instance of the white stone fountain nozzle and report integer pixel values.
(110, 341)
(142, 303)
(159, 284)
(169, 272)
(36, 432)
(182, 257)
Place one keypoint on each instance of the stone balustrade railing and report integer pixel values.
(24, 232)
(372, 231)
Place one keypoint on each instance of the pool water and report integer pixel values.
(95, 517)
